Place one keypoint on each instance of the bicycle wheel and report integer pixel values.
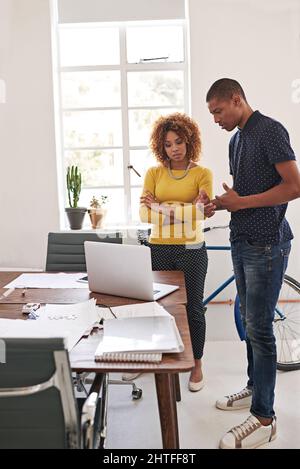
(286, 325)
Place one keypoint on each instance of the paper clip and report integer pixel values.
(33, 315)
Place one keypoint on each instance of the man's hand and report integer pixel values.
(231, 200)
(208, 206)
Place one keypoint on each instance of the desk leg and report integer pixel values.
(167, 410)
(177, 387)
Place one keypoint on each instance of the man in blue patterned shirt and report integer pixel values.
(265, 179)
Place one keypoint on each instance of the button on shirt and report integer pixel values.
(253, 153)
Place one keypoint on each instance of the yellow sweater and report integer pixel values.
(187, 228)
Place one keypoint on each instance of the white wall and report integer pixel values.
(28, 190)
(258, 44)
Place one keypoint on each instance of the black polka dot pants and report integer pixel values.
(193, 262)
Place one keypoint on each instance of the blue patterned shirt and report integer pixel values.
(253, 153)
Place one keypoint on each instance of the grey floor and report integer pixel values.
(135, 424)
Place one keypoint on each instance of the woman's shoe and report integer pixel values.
(130, 376)
(196, 386)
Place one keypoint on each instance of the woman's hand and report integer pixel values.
(209, 206)
(150, 201)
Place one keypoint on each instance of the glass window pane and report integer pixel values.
(91, 89)
(154, 42)
(92, 128)
(140, 123)
(135, 204)
(89, 45)
(98, 167)
(141, 160)
(115, 204)
(155, 88)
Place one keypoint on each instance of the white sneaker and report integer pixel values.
(250, 434)
(240, 400)
(130, 376)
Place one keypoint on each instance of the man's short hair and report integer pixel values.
(224, 89)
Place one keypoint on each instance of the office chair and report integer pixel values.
(143, 236)
(65, 253)
(37, 404)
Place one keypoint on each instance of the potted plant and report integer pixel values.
(74, 213)
(97, 211)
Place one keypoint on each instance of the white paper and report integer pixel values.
(67, 321)
(151, 308)
(46, 280)
(141, 334)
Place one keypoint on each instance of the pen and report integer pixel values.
(111, 311)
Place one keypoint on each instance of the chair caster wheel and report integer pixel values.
(137, 393)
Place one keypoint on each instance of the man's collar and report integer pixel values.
(251, 122)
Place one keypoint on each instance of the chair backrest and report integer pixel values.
(65, 251)
(37, 404)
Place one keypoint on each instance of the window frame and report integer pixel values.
(124, 67)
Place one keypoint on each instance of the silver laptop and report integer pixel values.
(123, 270)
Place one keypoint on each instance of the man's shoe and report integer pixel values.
(240, 400)
(196, 386)
(249, 435)
(130, 376)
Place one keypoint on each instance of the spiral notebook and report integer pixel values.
(141, 339)
(128, 357)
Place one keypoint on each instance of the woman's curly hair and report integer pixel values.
(183, 126)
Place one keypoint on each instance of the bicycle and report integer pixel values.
(286, 317)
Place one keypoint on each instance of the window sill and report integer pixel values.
(108, 228)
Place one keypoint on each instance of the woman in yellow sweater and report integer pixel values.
(171, 201)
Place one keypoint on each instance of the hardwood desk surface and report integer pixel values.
(75, 295)
(82, 355)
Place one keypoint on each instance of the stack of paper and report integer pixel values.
(67, 321)
(45, 280)
(139, 338)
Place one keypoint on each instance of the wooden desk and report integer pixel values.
(73, 295)
(82, 356)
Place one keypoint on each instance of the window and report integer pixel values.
(115, 80)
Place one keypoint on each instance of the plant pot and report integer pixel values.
(75, 217)
(97, 216)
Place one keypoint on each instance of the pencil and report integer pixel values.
(7, 293)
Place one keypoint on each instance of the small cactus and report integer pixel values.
(73, 185)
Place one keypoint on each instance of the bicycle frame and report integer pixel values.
(227, 282)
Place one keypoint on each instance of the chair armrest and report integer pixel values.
(87, 420)
(94, 414)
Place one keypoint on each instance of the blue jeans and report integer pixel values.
(259, 272)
